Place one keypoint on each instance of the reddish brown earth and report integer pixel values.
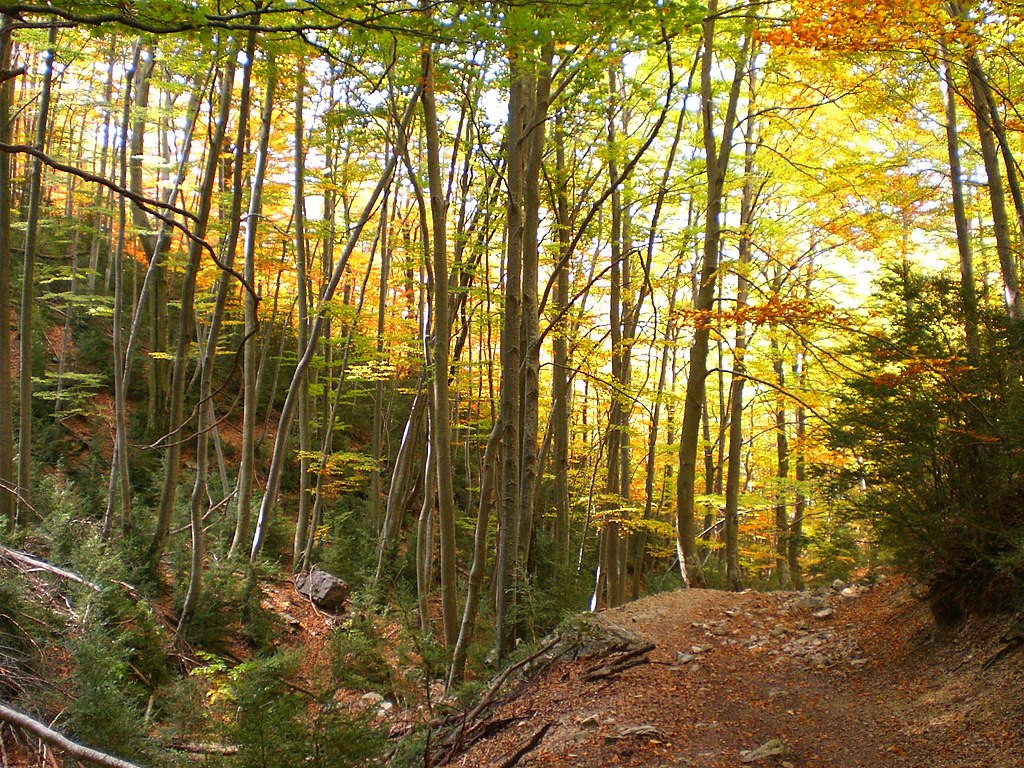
(872, 684)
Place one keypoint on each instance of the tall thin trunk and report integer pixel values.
(28, 284)
(280, 451)
(302, 282)
(172, 466)
(441, 439)
(560, 389)
(99, 217)
(717, 160)
(996, 194)
(530, 332)
(250, 389)
(733, 574)
(511, 358)
(8, 495)
(968, 295)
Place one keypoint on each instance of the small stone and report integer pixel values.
(824, 613)
(685, 658)
(838, 584)
(589, 723)
(646, 731)
(771, 748)
(780, 631)
(371, 699)
(851, 592)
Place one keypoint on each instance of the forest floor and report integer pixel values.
(859, 678)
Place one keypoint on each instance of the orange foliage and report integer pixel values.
(875, 25)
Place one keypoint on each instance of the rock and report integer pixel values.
(645, 731)
(771, 748)
(685, 658)
(293, 623)
(824, 613)
(809, 602)
(324, 589)
(853, 591)
(838, 585)
(371, 699)
(589, 723)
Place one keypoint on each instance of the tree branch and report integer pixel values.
(55, 739)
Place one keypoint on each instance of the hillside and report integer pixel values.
(820, 679)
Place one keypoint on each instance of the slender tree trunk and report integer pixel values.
(733, 573)
(511, 358)
(996, 194)
(304, 414)
(120, 485)
(716, 165)
(99, 217)
(28, 285)
(560, 388)
(441, 439)
(250, 302)
(280, 451)
(172, 466)
(533, 141)
(8, 495)
(968, 295)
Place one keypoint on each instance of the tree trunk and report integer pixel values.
(997, 196)
(733, 574)
(186, 325)
(716, 165)
(511, 357)
(280, 451)
(8, 495)
(28, 285)
(250, 390)
(440, 433)
(968, 296)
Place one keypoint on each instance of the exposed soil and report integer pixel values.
(860, 679)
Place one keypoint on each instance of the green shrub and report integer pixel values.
(107, 702)
(359, 660)
(934, 444)
(269, 728)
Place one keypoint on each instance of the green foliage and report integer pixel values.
(275, 726)
(933, 444)
(832, 554)
(229, 606)
(359, 656)
(107, 703)
(138, 633)
(267, 729)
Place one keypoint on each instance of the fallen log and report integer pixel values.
(26, 560)
(60, 741)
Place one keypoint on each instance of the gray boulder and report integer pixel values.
(325, 589)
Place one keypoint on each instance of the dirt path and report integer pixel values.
(858, 680)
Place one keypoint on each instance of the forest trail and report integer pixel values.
(858, 679)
